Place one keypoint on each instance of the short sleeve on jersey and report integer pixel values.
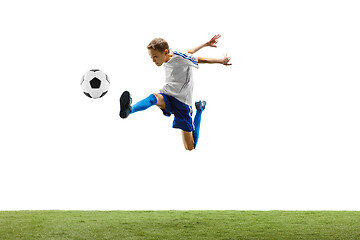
(187, 59)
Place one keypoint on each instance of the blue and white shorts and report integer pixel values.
(182, 113)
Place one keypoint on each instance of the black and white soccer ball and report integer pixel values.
(95, 83)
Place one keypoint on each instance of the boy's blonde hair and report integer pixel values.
(158, 44)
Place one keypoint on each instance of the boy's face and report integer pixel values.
(158, 57)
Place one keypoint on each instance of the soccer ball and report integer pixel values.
(95, 83)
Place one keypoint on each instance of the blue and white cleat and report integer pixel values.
(200, 105)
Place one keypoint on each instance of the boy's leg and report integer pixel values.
(144, 104)
(153, 99)
(190, 139)
(200, 106)
(125, 103)
(197, 121)
(160, 100)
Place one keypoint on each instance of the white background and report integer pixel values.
(280, 131)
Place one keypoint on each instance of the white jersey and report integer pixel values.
(179, 77)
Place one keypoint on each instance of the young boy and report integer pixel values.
(176, 96)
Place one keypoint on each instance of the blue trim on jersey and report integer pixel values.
(186, 57)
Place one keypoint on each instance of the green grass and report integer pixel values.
(179, 225)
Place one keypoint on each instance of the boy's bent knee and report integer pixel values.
(160, 102)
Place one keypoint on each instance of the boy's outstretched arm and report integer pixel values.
(225, 60)
(211, 43)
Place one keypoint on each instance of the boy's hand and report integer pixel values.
(213, 41)
(226, 60)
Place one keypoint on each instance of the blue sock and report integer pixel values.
(144, 104)
(197, 121)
